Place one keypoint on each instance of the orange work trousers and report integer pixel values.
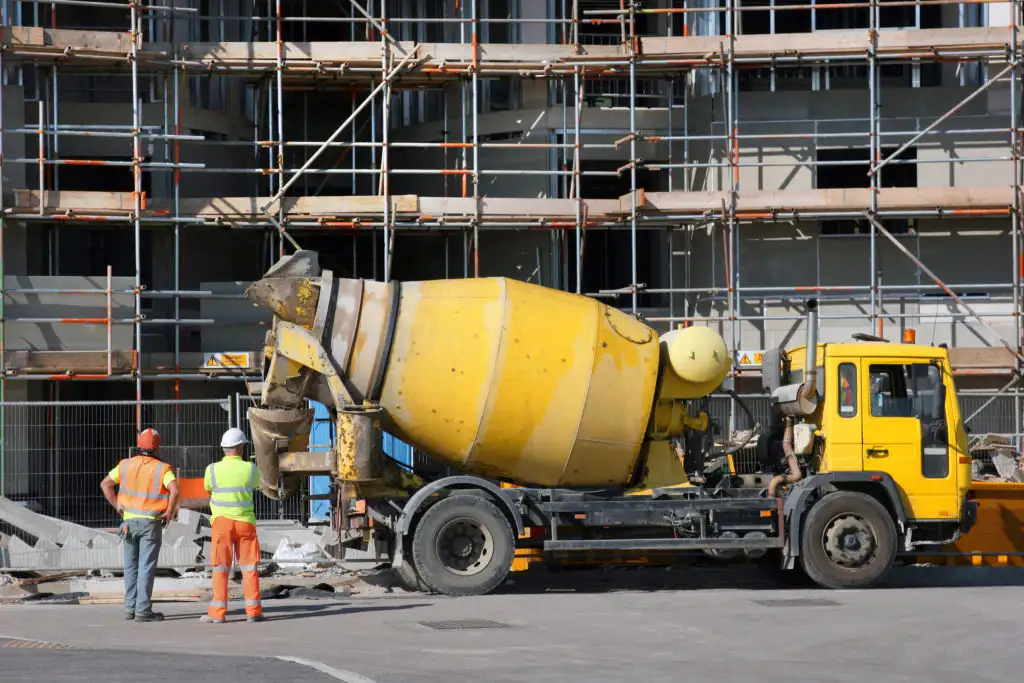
(240, 537)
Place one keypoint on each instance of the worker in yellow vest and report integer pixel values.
(147, 496)
(232, 483)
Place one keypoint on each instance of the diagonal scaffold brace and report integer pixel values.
(327, 143)
(377, 25)
(959, 302)
(930, 127)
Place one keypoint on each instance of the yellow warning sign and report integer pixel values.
(749, 358)
(227, 361)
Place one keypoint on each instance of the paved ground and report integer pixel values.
(927, 625)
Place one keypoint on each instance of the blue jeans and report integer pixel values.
(142, 539)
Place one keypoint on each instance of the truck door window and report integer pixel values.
(847, 390)
(913, 390)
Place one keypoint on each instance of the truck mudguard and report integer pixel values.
(498, 495)
(796, 502)
(413, 505)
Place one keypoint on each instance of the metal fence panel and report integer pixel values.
(54, 454)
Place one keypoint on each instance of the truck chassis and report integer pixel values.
(458, 535)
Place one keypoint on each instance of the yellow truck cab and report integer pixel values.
(888, 438)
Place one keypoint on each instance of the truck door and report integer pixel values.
(905, 434)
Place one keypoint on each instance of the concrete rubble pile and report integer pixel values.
(31, 541)
(995, 458)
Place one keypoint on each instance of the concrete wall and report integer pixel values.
(783, 255)
(201, 182)
(241, 325)
(788, 164)
(21, 336)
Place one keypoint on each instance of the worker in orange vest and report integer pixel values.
(232, 484)
(147, 497)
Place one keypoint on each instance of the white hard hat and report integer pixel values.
(232, 438)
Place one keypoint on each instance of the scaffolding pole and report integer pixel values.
(466, 71)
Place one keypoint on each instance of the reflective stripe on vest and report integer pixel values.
(141, 490)
(234, 496)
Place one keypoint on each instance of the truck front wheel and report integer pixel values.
(463, 545)
(848, 541)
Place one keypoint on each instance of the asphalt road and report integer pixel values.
(926, 625)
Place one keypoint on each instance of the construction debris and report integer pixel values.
(49, 577)
(321, 591)
(1008, 467)
(291, 554)
(114, 598)
(37, 542)
(40, 542)
(995, 458)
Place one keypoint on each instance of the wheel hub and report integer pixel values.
(849, 541)
(465, 546)
(462, 546)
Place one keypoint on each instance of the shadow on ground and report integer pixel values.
(736, 577)
(313, 611)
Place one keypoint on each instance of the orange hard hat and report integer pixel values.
(148, 440)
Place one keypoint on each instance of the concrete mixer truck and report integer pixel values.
(570, 426)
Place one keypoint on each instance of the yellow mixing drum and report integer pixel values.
(499, 377)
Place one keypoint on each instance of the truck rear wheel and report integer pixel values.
(463, 545)
(848, 541)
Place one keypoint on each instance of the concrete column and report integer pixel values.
(534, 92)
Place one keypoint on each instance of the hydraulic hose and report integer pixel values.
(795, 474)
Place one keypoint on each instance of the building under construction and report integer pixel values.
(689, 161)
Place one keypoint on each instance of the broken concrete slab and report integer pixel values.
(1008, 467)
(40, 542)
(31, 523)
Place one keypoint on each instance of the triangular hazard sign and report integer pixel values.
(744, 359)
(212, 363)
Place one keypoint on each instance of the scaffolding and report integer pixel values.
(679, 58)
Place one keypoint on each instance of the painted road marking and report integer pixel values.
(339, 674)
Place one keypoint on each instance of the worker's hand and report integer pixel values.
(167, 517)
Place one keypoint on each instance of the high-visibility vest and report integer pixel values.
(233, 482)
(141, 490)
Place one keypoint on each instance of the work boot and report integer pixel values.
(129, 616)
(149, 616)
(207, 619)
(258, 617)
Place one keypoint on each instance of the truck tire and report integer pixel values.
(406, 574)
(409, 578)
(848, 541)
(463, 545)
